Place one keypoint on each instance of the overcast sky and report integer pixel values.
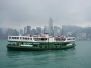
(38, 12)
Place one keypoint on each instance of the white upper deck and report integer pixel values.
(40, 38)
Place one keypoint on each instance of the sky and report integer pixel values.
(36, 13)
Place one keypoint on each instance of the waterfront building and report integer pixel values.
(55, 30)
(64, 31)
(21, 32)
(38, 30)
(58, 31)
(45, 29)
(33, 32)
(25, 30)
(51, 27)
(28, 29)
(81, 36)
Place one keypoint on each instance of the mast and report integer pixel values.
(19, 29)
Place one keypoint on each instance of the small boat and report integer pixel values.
(40, 42)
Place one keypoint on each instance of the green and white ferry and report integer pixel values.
(40, 42)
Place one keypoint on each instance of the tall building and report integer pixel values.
(45, 29)
(64, 31)
(58, 31)
(81, 36)
(55, 30)
(33, 32)
(51, 32)
(38, 30)
(11, 32)
(28, 29)
(25, 30)
(21, 32)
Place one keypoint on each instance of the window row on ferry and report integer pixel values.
(40, 39)
(21, 38)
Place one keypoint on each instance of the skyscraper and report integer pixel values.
(25, 30)
(55, 30)
(38, 30)
(64, 31)
(45, 29)
(33, 32)
(21, 32)
(28, 29)
(51, 27)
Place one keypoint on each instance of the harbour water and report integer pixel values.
(79, 57)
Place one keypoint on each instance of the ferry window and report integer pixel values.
(23, 38)
(39, 38)
(68, 39)
(30, 38)
(17, 37)
(12, 37)
(34, 39)
(26, 38)
(43, 38)
(57, 39)
(9, 37)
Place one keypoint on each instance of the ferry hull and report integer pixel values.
(27, 48)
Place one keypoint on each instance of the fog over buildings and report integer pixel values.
(36, 13)
(46, 16)
(80, 33)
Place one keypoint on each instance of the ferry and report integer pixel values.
(40, 42)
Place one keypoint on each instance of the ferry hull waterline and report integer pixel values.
(39, 43)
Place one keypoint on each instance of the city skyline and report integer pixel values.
(72, 31)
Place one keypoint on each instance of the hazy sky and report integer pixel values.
(38, 12)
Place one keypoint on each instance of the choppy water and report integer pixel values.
(80, 57)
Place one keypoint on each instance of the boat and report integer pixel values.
(40, 42)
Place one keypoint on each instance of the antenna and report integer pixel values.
(19, 29)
